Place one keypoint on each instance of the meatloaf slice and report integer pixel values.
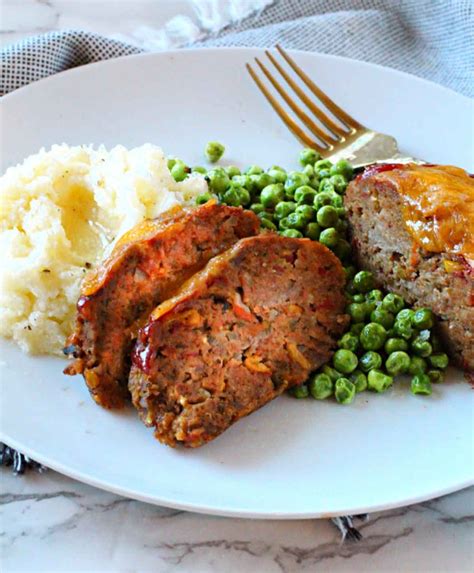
(256, 321)
(145, 268)
(412, 226)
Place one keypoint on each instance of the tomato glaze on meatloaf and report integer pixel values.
(256, 321)
(145, 268)
(413, 227)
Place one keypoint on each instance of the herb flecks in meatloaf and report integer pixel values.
(146, 267)
(432, 269)
(256, 321)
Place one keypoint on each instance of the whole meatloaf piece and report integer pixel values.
(146, 267)
(256, 321)
(413, 227)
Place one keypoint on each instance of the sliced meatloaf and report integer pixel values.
(256, 321)
(146, 267)
(412, 226)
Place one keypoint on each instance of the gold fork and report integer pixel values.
(345, 138)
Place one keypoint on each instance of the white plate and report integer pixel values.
(293, 458)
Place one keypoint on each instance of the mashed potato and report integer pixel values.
(60, 212)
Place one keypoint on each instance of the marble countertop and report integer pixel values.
(52, 523)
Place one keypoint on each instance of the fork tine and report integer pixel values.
(324, 137)
(287, 120)
(325, 120)
(327, 101)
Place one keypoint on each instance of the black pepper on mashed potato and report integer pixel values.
(60, 211)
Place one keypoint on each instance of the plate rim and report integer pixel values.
(222, 510)
(249, 49)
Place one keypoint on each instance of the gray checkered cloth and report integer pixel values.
(433, 39)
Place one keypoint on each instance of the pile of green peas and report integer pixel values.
(385, 337)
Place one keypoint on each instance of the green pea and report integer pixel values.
(260, 181)
(294, 180)
(358, 298)
(244, 196)
(421, 384)
(329, 237)
(344, 391)
(383, 317)
(370, 360)
(359, 380)
(345, 361)
(375, 295)
(199, 169)
(299, 391)
(326, 186)
(350, 271)
(350, 288)
(271, 195)
(320, 386)
(214, 151)
(339, 182)
(284, 208)
(378, 381)
(436, 376)
(418, 365)
(323, 174)
(395, 345)
(423, 318)
(327, 216)
(296, 221)
(253, 170)
(231, 197)
(331, 372)
(179, 171)
(257, 208)
(343, 167)
(406, 314)
(322, 164)
(356, 311)
(309, 156)
(349, 341)
(278, 174)
(338, 203)
(283, 224)
(393, 303)
(403, 328)
(239, 180)
(203, 198)
(218, 180)
(308, 170)
(356, 328)
(397, 363)
(267, 224)
(314, 181)
(421, 347)
(170, 162)
(373, 336)
(321, 199)
(232, 170)
(364, 281)
(305, 195)
(439, 360)
(292, 233)
(306, 211)
(312, 231)
(342, 249)
(265, 215)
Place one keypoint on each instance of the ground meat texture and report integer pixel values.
(256, 321)
(383, 245)
(148, 265)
